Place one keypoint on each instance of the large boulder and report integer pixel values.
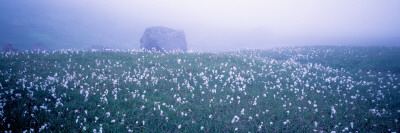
(163, 39)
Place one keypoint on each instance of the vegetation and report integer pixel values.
(300, 89)
(368, 58)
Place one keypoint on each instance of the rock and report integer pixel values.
(8, 47)
(163, 39)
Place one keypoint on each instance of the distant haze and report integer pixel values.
(208, 24)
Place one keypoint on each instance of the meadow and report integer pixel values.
(294, 89)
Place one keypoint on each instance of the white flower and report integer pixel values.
(286, 122)
(345, 129)
(43, 127)
(235, 119)
(112, 121)
(179, 126)
(333, 110)
(201, 128)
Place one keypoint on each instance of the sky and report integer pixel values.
(208, 24)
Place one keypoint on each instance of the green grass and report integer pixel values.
(124, 91)
(351, 58)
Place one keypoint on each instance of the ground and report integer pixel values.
(296, 89)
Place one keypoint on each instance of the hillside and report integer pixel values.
(139, 91)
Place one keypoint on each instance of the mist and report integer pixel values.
(208, 24)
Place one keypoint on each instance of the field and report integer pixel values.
(295, 89)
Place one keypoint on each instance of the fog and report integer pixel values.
(208, 24)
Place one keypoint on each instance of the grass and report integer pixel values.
(136, 91)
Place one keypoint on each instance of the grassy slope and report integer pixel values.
(351, 58)
(202, 90)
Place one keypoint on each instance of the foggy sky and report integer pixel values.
(208, 24)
